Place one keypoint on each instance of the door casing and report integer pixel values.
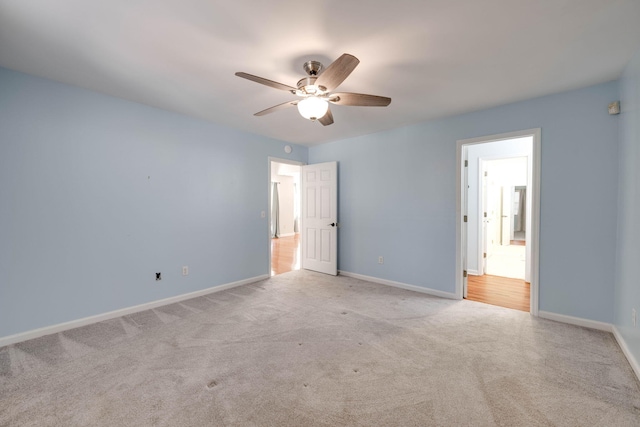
(535, 209)
(269, 189)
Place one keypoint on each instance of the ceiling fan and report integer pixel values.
(315, 90)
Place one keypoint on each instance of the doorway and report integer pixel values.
(498, 217)
(505, 212)
(284, 216)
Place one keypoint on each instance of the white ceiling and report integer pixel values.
(434, 58)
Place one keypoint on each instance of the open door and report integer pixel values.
(485, 220)
(505, 227)
(494, 211)
(465, 204)
(320, 217)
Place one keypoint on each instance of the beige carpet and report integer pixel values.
(305, 349)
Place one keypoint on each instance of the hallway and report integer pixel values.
(285, 254)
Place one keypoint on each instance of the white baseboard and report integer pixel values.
(286, 234)
(625, 350)
(48, 330)
(53, 329)
(578, 321)
(602, 326)
(434, 292)
(473, 272)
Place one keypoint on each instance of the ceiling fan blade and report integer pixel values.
(277, 108)
(359, 99)
(266, 82)
(337, 72)
(327, 119)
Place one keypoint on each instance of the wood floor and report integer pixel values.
(285, 254)
(501, 291)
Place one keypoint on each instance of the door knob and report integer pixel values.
(333, 224)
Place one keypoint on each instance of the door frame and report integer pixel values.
(535, 209)
(289, 162)
(482, 219)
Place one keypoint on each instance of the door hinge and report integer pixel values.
(486, 173)
(466, 163)
(485, 214)
(464, 273)
(484, 255)
(465, 218)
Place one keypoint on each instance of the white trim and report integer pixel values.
(288, 162)
(535, 209)
(400, 285)
(460, 184)
(535, 225)
(601, 326)
(53, 329)
(499, 137)
(473, 273)
(480, 238)
(578, 321)
(625, 350)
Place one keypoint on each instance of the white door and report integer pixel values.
(465, 204)
(485, 221)
(505, 225)
(320, 217)
(494, 210)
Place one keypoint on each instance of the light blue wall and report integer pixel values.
(97, 194)
(627, 295)
(397, 197)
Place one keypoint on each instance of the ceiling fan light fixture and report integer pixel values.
(313, 108)
(315, 91)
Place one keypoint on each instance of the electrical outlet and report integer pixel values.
(634, 317)
(185, 270)
(380, 260)
(158, 276)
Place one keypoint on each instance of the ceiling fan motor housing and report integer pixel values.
(312, 68)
